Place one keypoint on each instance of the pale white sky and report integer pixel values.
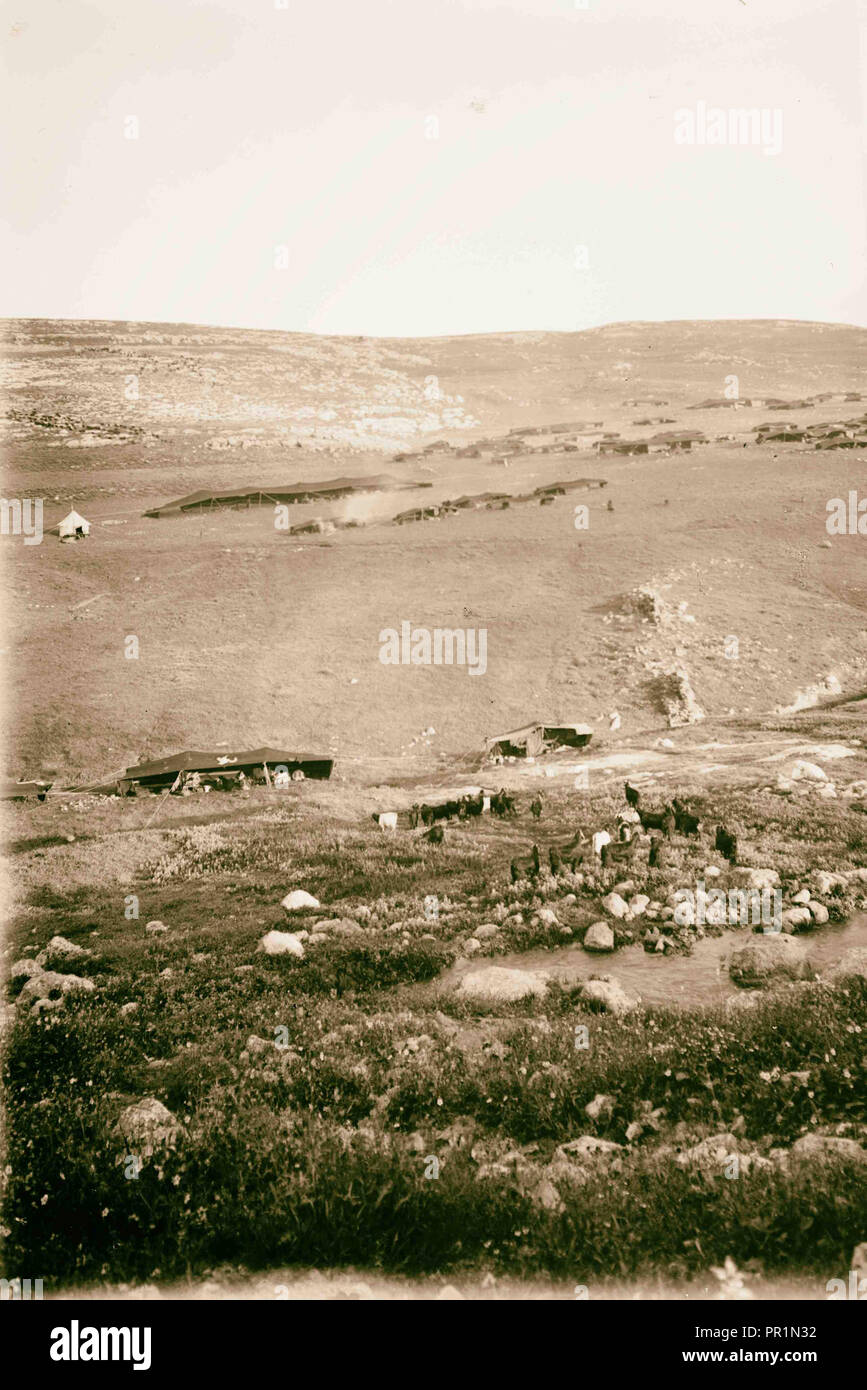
(305, 127)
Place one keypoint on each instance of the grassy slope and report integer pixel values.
(318, 1155)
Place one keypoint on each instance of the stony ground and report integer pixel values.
(222, 1081)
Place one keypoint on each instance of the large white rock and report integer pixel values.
(617, 906)
(497, 985)
(819, 912)
(298, 899)
(802, 771)
(281, 943)
(797, 917)
(599, 937)
(766, 958)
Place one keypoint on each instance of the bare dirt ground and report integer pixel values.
(247, 634)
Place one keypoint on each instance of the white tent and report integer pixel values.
(73, 526)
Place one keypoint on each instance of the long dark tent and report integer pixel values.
(289, 493)
(220, 760)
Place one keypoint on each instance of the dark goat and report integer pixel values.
(727, 844)
(658, 854)
(436, 835)
(536, 807)
(633, 795)
(685, 823)
(502, 804)
(554, 860)
(615, 853)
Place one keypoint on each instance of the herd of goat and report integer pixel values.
(663, 826)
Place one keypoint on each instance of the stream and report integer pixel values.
(701, 978)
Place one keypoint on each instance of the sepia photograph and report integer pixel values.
(434, 669)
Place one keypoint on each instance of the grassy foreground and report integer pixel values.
(348, 1109)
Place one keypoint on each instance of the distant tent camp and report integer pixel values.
(534, 739)
(164, 771)
(73, 527)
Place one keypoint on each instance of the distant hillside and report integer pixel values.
(92, 382)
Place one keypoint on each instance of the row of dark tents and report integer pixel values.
(266, 764)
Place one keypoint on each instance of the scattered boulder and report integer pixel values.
(755, 878)
(342, 926)
(768, 958)
(610, 994)
(821, 1147)
(802, 771)
(617, 906)
(825, 881)
(281, 943)
(297, 900)
(797, 917)
(710, 1154)
(589, 1146)
(486, 930)
(59, 951)
(27, 968)
(601, 1107)
(155, 928)
(496, 985)
(49, 984)
(818, 912)
(599, 937)
(148, 1124)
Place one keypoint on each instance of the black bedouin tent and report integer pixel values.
(288, 493)
(164, 771)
